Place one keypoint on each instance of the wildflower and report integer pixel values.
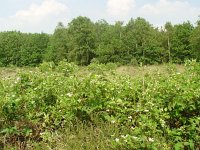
(134, 137)
(132, 128)
(113, 135)
(69, 94)
(124, 136)
(117, 140)
(151, 139)
(130, 117)
(162, 122)
(113, 121)
(42, 133)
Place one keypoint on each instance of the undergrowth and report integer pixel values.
(53, 108)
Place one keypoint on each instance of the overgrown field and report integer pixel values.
(100, 107)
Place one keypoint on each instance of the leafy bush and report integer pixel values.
(66, 68)
(47, 66)
(150, 112)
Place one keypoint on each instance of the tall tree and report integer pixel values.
(140, 40)
(195, 41)
(180, 44)
(102, 38)
(57, 47)
(10, 43)
(33, 49)
(81, 40)
(169, 29)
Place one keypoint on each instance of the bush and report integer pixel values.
(151, 112)
(47, 66)
(66, 68)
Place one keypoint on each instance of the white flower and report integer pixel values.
(124, 136)
(113, 121)
(162, 122)
(113, 135)
(69, 94)
(130, 117)
(42, 133)
(134, 137)
(146, 110)
(132, 128)
(151, 139)
(117, 140)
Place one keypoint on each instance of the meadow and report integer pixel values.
(100, 107)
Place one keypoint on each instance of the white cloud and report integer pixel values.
(119, 8)
(167, 10)
(37, 17)
(36, 13)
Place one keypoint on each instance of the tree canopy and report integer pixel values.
(83, 41)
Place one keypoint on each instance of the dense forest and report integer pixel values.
(83, 41)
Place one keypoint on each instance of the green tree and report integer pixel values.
(102, 38)
(180, 45)
(57, 47)
(140, 41)
(10, 43)
(169, 32)
(33, 49)
(195, 41)
(81, 40)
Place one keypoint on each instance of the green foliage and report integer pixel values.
(57, 48)
(180, 44)
(47, 66)
(100, 68)
(195, 42)
(66, 68)
(21, 49)
(83, 41)
(159, 111)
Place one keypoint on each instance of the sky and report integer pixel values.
(43, 15)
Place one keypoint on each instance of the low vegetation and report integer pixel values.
(100, 106)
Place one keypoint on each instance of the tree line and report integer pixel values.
(83, 41)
